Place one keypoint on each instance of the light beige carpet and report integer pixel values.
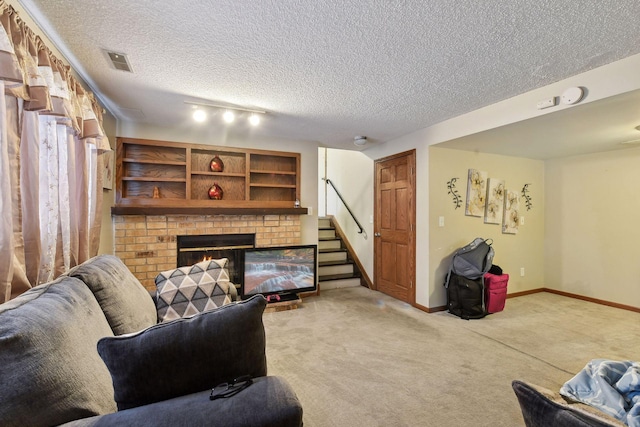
(356, 357)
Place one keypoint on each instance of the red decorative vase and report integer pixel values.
(215, 192)
(216, 164)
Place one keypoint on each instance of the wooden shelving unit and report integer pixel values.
(153, 176)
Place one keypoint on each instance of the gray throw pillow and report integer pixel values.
(127, 305)
(185, 291)
(187, 355)
(50, 371)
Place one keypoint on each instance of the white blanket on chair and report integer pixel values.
(611, 386)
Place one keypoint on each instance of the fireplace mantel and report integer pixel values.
(189, 210)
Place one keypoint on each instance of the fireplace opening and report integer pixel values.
(194, 249)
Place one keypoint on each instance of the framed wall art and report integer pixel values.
(511, 218)
(495, 201)
(476, 193)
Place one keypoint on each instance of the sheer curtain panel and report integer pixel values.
(51, 158)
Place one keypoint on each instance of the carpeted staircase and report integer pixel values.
(336, 268)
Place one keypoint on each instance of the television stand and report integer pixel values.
(290, 302)
(273, 298)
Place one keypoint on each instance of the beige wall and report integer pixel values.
(108, 196)
(591, 236)
(513, 252)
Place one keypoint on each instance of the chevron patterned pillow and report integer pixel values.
(185, 291)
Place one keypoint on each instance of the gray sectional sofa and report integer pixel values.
(86, 350)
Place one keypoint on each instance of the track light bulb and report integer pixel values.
(254, 120)
(199, 116)
(228, 116)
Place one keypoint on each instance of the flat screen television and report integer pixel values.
(280, 273)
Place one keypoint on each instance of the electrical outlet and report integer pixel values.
(440, 221)
(522, 271)
(521, 220)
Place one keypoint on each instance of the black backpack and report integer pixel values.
(465, 297)
(473, 259)
(465, 279)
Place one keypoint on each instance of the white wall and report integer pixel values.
(591, 236)
(352, 174)
(418, 142)
(308, 160)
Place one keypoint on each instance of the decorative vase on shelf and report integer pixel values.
(216, 164)
(215, 192)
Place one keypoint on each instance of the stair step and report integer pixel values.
(335, 270)
(337, 277)
(333, 262)
(329, 244)
(332, 256)
(327, 270)
(340, 283)
(324, 222)
(326, 233)
(328, 250)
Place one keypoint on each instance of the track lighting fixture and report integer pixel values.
(229, 116)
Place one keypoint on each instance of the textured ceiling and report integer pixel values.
(329, 70)
(604, 125)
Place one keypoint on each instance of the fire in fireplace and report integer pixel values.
(194, 249)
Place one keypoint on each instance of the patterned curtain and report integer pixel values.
(51, 149)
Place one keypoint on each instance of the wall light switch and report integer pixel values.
(521, 220)
(370, 219)
(522, 271)
(440, 221)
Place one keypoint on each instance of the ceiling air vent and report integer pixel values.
(120, 61)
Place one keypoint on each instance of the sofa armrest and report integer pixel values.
(544, 408)
(269, 401)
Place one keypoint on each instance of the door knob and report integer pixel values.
(376, 234)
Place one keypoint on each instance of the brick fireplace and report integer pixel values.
(147, 243)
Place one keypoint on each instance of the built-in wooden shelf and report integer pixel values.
(172, 177)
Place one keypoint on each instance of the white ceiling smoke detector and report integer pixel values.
(360, 140)
(571, 96)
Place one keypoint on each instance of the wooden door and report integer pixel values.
(394, 226)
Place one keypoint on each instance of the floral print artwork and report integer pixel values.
(511, 218)
(476, 192)
(495, 201)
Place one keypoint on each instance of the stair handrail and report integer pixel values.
(328, 181)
